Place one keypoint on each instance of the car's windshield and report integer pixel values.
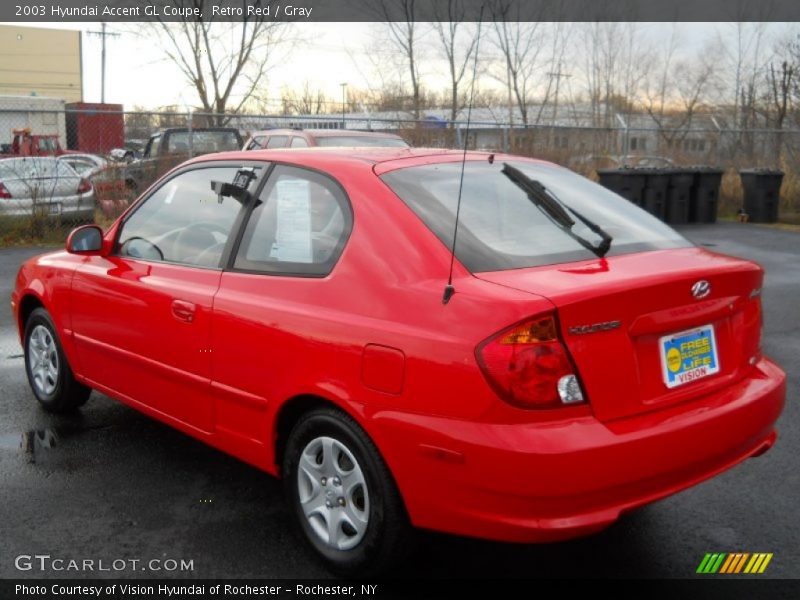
(360, 141)
(202, 142)
(500, 228)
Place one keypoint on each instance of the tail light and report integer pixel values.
(4, 193)
(84, 186)
(529, 367)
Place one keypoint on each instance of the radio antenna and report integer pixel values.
(449, 290)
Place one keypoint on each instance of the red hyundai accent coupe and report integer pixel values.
(292, 308)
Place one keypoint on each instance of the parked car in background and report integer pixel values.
(26, 143)
(112, 195)
(294, 310)
(131, 151)
(604, 161)
(86, 165)
(44, 186)
(304, 138)
(170, 147)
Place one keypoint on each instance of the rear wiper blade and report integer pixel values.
(556, 210)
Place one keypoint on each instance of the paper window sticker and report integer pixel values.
(293, 232)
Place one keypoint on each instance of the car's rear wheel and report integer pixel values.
(49, 373)
(343, 495)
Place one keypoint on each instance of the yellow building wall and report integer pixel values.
(46, 62)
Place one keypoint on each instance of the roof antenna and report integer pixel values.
(449, 290)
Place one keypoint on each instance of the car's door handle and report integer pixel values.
(183, 311)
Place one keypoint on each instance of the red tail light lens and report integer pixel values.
(4, 193)
(84, 186)
(529, 367)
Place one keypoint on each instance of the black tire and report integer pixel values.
(389, 537)
(67, 394)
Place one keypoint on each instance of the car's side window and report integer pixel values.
(152, 145)
(298, 142)
(276, 141)
(183, 221)
(299, 225)
(257, 143)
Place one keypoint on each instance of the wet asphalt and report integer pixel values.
(109, 484)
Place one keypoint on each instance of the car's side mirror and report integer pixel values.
(87, 239)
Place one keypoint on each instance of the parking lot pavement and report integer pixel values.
(117, 485)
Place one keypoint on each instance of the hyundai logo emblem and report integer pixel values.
(701, 289)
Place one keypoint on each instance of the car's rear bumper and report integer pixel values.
(66, 207)
(550, 481)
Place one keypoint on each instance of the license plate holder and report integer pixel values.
(687, 356)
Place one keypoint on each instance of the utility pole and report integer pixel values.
(557, 75)
(103, 34)
(344, 88)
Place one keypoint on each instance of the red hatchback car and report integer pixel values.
(291, 308)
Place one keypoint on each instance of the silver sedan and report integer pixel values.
(44, 186)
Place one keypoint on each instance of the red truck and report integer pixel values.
(24, 143)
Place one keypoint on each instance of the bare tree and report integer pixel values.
(617, 60)
(684, 87)
(781, 85)
(223, 62)
(658, 83)
(743, 63)
(403, 35)
(305, 101)
(559, 38)
(520, 44)
(450, 23)
(780, 82)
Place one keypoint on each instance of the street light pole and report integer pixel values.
(344, 87)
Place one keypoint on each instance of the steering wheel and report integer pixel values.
(138, 247)
(195, 240)
(210, 256)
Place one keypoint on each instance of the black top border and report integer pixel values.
(15, 11)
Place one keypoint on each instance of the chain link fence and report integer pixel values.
(62, 168)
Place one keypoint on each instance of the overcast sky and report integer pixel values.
(333, 53)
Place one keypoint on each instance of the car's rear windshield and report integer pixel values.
(35, 168)
(355, 141)
(501, 228)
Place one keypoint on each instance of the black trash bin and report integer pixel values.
(762, 189)
(654, 196)
(704, 196)
(679, 195)
(628, 183)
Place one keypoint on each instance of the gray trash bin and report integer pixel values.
(705, 194)
(679, 195)
(762, 189)
(654, 196)
(628, 183)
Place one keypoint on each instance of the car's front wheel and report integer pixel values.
(49, 373)
(343, 495)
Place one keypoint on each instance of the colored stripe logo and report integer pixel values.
(734, 563)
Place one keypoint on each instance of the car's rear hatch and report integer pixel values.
(624, 366)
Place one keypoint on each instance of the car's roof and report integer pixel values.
(93, 157)
(328, 133)
(197, 129)
(381, 159)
